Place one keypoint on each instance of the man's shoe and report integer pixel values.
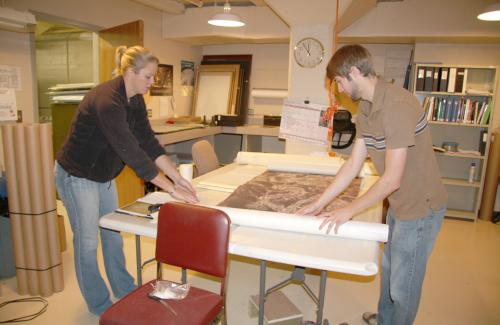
(370, 318)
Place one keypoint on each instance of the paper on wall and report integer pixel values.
(305, 122)
(10, 77)
(8, 107)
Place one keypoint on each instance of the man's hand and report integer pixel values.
(336, 217)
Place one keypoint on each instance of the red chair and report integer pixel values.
(191, 237)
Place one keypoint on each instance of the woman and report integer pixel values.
(111, 129)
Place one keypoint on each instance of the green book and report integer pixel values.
(486, 115)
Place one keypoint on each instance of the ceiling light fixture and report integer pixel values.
(491, 13)
(226, 18)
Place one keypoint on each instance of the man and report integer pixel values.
(392, 129)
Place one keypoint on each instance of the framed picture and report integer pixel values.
(216, 90)
(187, 73)
(164, 81)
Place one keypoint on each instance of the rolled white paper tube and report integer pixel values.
(270, 93)
(186, 171)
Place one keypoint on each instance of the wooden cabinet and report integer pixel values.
(62, 116)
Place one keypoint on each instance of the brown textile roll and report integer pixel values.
(14, 205)
(32, 207)
(26, 222)
(491, 179)
(39, 218)
(49, 190)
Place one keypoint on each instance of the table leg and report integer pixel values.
(322, 288)
(138, 259)
(262, 290)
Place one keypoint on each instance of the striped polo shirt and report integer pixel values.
(395, 119)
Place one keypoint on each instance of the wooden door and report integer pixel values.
(129, 34)
(129, 186)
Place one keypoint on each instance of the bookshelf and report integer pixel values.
(458, 102)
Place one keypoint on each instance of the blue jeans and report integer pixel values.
(404, 262)
(86, 202)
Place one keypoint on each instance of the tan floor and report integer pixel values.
(462, 284)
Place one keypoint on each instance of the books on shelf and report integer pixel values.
(441, 79)
(452, 79)
(457, 109)
(483, 140)
(429, 78)
(419, 86)
(435, 79)
(461, 76)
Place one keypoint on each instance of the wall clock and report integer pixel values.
(308, 52)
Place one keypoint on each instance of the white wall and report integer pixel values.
(425, 18)
(15, 51)
(105, 14)
(16, 48)
(269, 70)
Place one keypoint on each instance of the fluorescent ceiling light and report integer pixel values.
(226, 18)
(491, 13)
(18, 21)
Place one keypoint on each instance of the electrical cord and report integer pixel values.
(27, 317)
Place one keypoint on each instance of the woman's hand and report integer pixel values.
(181, 194)
(185, 185)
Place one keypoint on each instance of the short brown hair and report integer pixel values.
(350, 56)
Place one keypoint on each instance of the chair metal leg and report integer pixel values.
(224, 313)
(159, 272)
(183, 276)
(138, 259)
(221, 317)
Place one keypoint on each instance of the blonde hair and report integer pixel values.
(135, 58)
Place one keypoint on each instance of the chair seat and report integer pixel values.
(199, 307)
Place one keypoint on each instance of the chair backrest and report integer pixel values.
(204, 157)
(193, 237)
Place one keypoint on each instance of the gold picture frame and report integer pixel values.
(216, 90)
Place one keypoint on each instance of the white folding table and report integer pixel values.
(321, 252)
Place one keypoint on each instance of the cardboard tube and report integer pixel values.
(15, 206)
(47, 160)
(26, 221)
(39, 218)
(49, 191)
(491, 179)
